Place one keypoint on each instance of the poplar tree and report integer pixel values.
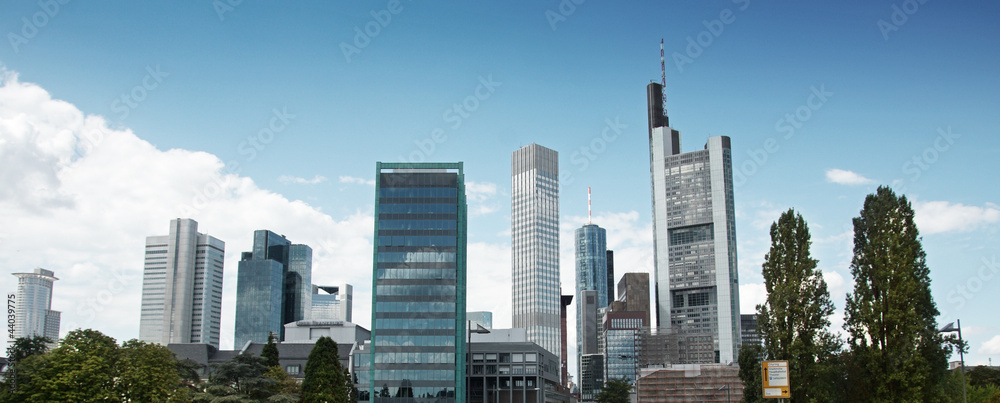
(324, 379)
(891, 315)
(794, 321)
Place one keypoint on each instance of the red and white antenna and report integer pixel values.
(589, 221)
(663, 78)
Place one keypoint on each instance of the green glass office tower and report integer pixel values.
(273, 287)
(419, 275)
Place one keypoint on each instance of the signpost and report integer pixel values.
(775, 379)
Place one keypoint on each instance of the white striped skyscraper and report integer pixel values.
(535, 244)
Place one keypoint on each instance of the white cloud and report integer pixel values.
(752, 295)
(835, 284)
(482, 198)
(359, 181)
(846, 177)
(991, 346)
(82, 197)
(480, 191)
(302, 181)
(935, 217)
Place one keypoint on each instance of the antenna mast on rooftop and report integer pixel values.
(589, 220)
(663, 78)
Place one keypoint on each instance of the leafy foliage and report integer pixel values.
(750, 372)
(890, 315)
(270, 352)
(794, 321)
(18, 351)
(324, 376)
(615, 391)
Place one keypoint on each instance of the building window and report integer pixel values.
(292, 369)
(530, 357)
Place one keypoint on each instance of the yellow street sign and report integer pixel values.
(775, 379)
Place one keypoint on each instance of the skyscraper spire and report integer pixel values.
(589, 220)
(663, 79)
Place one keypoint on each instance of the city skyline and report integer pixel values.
(242, 128)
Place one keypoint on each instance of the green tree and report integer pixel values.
(324, 376)
(890, 315)
(983, 375)
(750, 372)
(146, 372)
(270, 352)
(243, 375)
(615, 391)
(19, 350)
(284, 384)
(81, 369)
(794, 321)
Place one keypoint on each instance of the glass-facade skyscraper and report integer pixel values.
(694, 234)
(591, 275)
(33, 314)
(273, 287)
(419, 285)
(535, 244)
(182, 286)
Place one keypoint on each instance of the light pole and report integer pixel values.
(948, 329)
(729, 397)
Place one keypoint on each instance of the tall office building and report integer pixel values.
(591, 275)
(336, 302)
(611, 276)
(563, 346)
(33, 314)
(273, 287)
(535, 244)
(182, 286)
(419, 278)
(633, 293)
(620, 332)
(694, 231)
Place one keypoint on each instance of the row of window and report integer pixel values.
(414, 358)
(414, 240)
(414, 307)
(415, 324)
(417, 192)
(436, 274)
(417, 208)
(505, 357)
(414, 290)
(504, 369)
(382, 375)
(416, 224)
(402, 341)
(416, 257)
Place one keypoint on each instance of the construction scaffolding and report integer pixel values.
(690, 383)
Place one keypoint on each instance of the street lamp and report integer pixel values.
(951, 328)
(729, 397)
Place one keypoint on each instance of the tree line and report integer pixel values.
(89, 366)
(893, 351)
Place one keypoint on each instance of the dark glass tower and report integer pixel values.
(273, 287)
(418, 315)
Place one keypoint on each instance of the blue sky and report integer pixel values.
(911, 102)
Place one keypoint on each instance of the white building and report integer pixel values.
(694, 234)
(182, 286)
(535, 245)
(33, 314)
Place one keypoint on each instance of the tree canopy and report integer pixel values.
(324, 376)
(615, 391)
(890, 314)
